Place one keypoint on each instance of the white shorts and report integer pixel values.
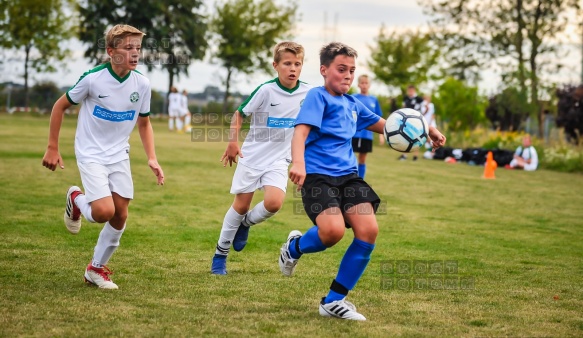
(174, 112)
(247, 179)
(100, 180)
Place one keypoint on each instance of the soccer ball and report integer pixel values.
(406, 130)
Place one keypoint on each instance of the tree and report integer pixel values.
(525, 32)
(508, 109)
(459, 105)
(402, 59)
(36, 27)
(175, 30)
(244, 33)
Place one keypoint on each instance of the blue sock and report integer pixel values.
(310, 242)
(361, 170)
(351, 268)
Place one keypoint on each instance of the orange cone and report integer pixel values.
(490, 167)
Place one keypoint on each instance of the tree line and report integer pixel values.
(522, 38)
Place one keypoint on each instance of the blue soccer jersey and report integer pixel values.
(334, 121)
(371, 103)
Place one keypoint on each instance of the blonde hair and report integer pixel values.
(287, 46)
(363, 76)
(119, 32)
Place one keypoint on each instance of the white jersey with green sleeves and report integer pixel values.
(109, 111)
(272, 109)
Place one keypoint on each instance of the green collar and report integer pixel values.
(115, 76)
(287, 89)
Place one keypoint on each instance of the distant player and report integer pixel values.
(174, 109)
(114, 98)
(428, 111)
(265, 155)
(324, 167)
(185, 118)
(412, 101)
(362, 141)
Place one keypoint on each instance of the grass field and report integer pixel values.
(512, 249)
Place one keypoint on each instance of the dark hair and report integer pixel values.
(333, 49)
(411, 86)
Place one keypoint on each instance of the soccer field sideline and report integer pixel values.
(515, 242)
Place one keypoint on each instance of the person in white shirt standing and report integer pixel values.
(266, 153)
(525, 156)
(174, 109)
(428, 111)
(185, 113)
(115, 97)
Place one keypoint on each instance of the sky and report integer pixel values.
(355, 23)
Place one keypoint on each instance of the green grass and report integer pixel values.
(517, 237)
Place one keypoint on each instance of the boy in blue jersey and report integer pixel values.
(362, 141)
(324, 168)
(266, 153)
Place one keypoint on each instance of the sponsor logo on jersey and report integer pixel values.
(280, 122)
(354, 115)
(113, 116)
(134, 97)
(102, 96)
(275, 104)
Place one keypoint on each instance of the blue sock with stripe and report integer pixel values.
(310, 242)
(361, 170)
(351, 269)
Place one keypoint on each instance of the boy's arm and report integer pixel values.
(52, 157)
(297, 172)
(233, 150)
(147, 136)
(437, 138)
(378, 127)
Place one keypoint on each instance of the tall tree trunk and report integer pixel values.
(535, 44)
(227, 90)
(170, 85)
(27, 55)
(519, 47)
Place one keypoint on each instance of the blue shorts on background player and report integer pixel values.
(324, 168)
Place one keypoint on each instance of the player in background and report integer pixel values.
(362, 141)
(265, 155)
(185, 118)
(428, 111)
(174, 109)
(412, 101)
(324, 168)
(114, 97)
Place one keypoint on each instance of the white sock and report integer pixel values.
(257, 215)
(106, 245)
(85, 207)
(179, 125)
(188, 121)
(171, 123)
(230, 225)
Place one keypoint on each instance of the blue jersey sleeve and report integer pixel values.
(366, 117)
(312, 109)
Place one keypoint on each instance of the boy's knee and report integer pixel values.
(272, 206)
(331, 235)
(102, 214)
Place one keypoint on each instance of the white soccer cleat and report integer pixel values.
(72, 214)
(341, 309)
(99, 277)
(287, 264)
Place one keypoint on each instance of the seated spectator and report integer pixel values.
(525, 156)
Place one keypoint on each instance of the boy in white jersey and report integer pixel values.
(115, 97)
(266, 152)
(174, 109)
